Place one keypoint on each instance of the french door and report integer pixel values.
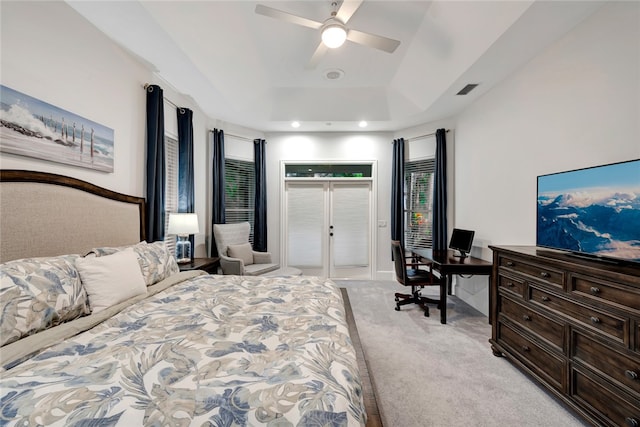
(328, 228)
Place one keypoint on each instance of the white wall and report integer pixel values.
(80, 70)
(51, 53)
(575, 105)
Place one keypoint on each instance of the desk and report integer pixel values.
(448, 265)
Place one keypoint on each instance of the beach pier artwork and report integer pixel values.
(33, 128)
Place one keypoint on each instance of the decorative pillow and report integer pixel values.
(108, 250)
(37, 293)
(156, 262)
(111, 279)
(243, 251)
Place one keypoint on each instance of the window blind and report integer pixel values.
(418, 198)
(171, 187)
(240, 185)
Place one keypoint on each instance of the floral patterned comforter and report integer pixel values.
(209, 351)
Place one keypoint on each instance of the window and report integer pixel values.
(328, 170)
(240, 185)
(418, 202)
(171, 187)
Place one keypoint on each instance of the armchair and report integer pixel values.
(235, 252)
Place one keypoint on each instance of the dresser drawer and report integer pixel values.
(511, 284)
(624, 297)
(541, 325)
(617, 366)
(608, 403)
(545, 274)
(544, 364)
(613, 326)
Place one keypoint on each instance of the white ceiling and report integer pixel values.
(251, 70)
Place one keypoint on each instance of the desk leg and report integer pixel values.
(490, 298)
(449, 284)
(443, 298)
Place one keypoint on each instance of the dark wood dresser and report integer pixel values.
(573, 325)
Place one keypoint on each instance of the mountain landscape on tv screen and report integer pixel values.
(604, 225)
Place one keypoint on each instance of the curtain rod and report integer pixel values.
(146, 85)
(244, 138)
(423, 136)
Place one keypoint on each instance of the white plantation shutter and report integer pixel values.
(418, 203)
(240, 185)
(171, 187)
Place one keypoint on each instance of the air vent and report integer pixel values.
(468, 88)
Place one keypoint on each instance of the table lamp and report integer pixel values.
(182, 225)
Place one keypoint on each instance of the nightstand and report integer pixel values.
(210, 265)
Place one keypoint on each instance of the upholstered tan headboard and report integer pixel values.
(43, 214)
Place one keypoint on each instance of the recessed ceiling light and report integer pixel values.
(295, 124)
(363, 124)
(333, 74)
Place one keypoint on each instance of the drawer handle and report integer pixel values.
(526, 348)
(595, 290)
(526, 318)
(631, 422)
(510, 264)
(545, 274)
(546, 298)
(595, 320)
(510, 285)
(632, 375)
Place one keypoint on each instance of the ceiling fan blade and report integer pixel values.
(317, 56)
(347, 10)
(284, 16)
(371, 40)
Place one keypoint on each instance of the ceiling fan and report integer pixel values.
(333, 30)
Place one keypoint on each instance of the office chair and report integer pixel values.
(408, 274)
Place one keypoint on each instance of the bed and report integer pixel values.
(100, 327)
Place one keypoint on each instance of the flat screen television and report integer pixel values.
(461, 241)
(593, 212)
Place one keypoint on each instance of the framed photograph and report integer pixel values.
(33, 128)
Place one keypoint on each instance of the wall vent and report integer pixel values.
(468, 88)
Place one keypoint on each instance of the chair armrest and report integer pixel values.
(231, 265)
(261, 257)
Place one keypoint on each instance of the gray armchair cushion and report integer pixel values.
(258, 269)
(243, 251)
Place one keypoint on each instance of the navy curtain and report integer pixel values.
(185, 165)
(397, 192)
(260, 205)
(217, 185)
(440, 193)
(155, 164)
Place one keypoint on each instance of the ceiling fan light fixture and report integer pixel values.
(334, 35)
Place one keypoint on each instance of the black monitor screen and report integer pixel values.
(461, 240)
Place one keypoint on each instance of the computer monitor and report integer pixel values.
(461, 241)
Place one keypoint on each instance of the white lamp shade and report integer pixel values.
(334, 35)
(183, 224)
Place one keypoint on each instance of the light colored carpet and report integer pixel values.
(429, 374)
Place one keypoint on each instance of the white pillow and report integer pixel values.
(111, 279)
(243, 251)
